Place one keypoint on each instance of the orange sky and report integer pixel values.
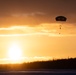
(43, 41)
(32, 24)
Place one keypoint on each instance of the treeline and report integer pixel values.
(51, 64)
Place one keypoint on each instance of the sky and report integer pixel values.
(20, 12)
(32, 25)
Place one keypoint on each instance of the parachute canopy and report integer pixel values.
(61, 18)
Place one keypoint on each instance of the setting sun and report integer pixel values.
(14, 53)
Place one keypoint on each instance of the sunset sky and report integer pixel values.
(31, 25)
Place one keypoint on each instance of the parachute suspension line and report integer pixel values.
(60, 26)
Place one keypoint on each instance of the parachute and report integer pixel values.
(61, 19)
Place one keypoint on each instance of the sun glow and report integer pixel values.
(15, 53)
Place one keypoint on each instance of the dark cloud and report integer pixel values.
(38, 5)
(51, 8)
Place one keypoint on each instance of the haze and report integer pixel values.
(31, 23)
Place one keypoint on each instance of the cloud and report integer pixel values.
(48, 29)
(28, 59)
(29, 14)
